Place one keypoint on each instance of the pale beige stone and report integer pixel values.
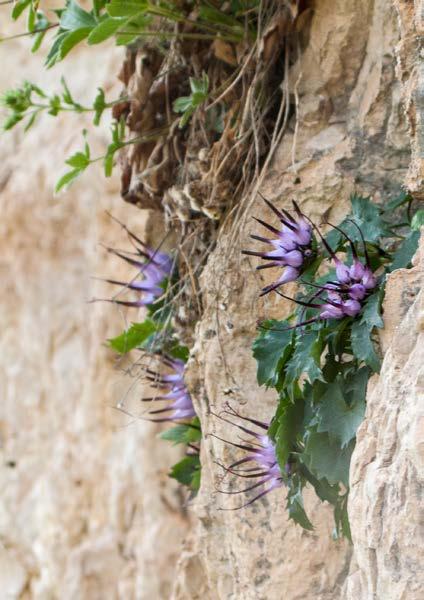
(387, 470)
(86, 505)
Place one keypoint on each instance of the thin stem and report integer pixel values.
(19, 35)
(188, 36)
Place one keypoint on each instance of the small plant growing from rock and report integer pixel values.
(320, 358)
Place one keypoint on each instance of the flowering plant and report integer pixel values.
(320, 358)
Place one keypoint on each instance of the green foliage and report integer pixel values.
(272, 349)
(134, 337)
(321, 371)
(187, 472)
(188, 104)
(28, 101)
(187, 433)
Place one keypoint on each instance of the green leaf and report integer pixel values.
(363, 347)
(342, 519)
(74, 17)
(367, 216)
(12, 120)
(108, 162)
(31, 18)
(324, 491)
(271, 349)
(182, 104)
(199, 86)
(66, 180)
(295, 507)
(133, 337)
(187, 472)
(180, 352)
(326, 459)
(404, 254)
(305, 358)
(71, 40)
(126, 8)
(105, 30)
(213, 15)
(371, 313)
(78, 160)
(54, 53)
(336, 417)
(19, 7)
(400, 200)
(289, 419)
(418, 220)
(183, 434)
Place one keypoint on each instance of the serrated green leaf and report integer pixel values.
(306, 357)
(134, 337)
(371, 313)
(324, 491)
(187, 472)
(336, 417)
(66, 180)
(404, 254)
(183, 434)
(325, 458)
(271, 350)
(105, 29)
(367, 216)
(363, 347)
(295, 507)
(288, 424)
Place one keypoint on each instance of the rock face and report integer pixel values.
(387, 469)
(350, 135)
(87, 511)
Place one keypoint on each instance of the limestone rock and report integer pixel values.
(387, 469)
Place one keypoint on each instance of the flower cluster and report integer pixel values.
(173, 392)
(293, 245)
(153, 266)
(260, 453)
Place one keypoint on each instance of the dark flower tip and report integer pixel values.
(292, 245)
(172, 392)
(260, 454)
(153, 268)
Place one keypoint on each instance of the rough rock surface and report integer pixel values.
(387, 470)
(87, 511)
(350, 135)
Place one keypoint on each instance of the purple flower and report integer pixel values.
(173, 392)
(345, 296)
(153, 268)
(264, 469)
(292, 245)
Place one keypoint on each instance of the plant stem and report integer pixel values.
(19, 35)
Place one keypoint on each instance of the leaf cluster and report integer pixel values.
(321, 371)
